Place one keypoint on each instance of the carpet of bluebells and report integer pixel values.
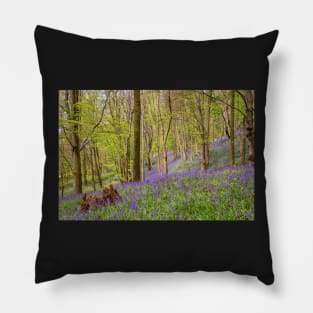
(224, 194)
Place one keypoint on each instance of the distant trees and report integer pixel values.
(71, 122)
(127, 133)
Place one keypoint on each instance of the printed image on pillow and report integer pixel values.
(156, 155)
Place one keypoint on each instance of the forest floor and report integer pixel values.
(186, 193)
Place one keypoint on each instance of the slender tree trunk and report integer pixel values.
(148, 145)
(175, 152)
(226, 118)
(130, 120)
(159, 161)
(126, 162)
(206, 133)
(142, 170)
(174, 132)
(61, 183)
(232, 129)
(92, 170)
(98, 159)
(242, 146)
(165, 132)
(165, 162)
(96, 163)
(77, 172)
(184, 151)
(137, 118)
(85, 167)
(149, 161)
(127, 159)
(204, 164)
(249, 99)
(191, 150)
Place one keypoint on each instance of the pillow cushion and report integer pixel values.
(145, 171)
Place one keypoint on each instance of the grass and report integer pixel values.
(215, 195)
(108, 177)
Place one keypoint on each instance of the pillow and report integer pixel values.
(145, 171)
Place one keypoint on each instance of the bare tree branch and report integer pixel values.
(243, 98)
(224, 102)
(67, 137)
(171, 117)
(84, 143)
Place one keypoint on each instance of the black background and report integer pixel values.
(72, 62)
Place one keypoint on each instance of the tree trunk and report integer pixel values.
(165, 162)
(92, 170)
(232, 129)
(137, 118)
(175, 146)
(61, 169)
(77, 172)
(249, 99)
(165, 131)
(148, 144)
(242, 145)
(62, 182)
(127, 156)
(98, 159)
(204, 164)
(149, 161)
(97, 167)
(85, 167)
(206, 133)
(142, 163)
(127, 159)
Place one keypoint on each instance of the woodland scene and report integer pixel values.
(163, 155)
